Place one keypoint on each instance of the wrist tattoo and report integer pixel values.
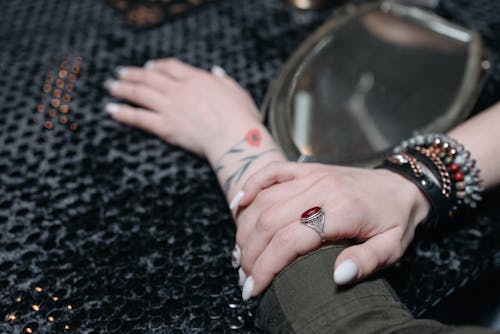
(253, 138)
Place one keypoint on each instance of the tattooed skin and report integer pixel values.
(253, 138)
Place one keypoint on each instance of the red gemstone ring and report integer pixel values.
(314, 218)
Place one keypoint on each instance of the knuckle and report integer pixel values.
(265, 222)
(285, 239)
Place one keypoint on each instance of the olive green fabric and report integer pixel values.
(304, 299)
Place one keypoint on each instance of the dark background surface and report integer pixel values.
(104, 228)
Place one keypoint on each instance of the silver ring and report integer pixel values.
(314, 218)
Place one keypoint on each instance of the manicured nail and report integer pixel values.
(236, 200)
(149, 64)
(235, 257)
(247, 289)
(218, 71)
(110, 84)
(120, 71)
(345, 272)
(111, 108)
(242, 277)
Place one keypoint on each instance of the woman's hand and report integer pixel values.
(378, 208)
(194, 109)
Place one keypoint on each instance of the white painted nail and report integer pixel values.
(218, 71)
(149, 64)
(247, 289)
(111, 108)
(242, 278)
(235, 257)
(110, 84)
(345, 272)
(121, 71)
(236, 200)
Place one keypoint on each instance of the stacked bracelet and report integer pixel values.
(443, 162)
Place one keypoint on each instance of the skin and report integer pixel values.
(211, 115)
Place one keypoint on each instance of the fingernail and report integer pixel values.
(111, 108)
(242, 278)
(236, 200)
(247, 289)
(235, 257)
(110, 84)
(149, 64)
(120, 71)
(345, 272)
(218, 71)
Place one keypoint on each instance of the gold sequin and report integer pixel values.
(38, 289)
(177, 9)
(62, 120)
(72, 77)
(75, 69)
(55, 298)
(11, 317)
(73, 126)
(69, 307)
(35, 307)
(48, 125)
(62, 74)
(29, 330)
(18, 299)
(57, 93)
(52, 113)
(60, 83)
(55, 103)
(49, 78)
(64, 108)
(47, 88)
(51, 319)
(66, 327)
(69, 88)
(40, 108)
(66, 98)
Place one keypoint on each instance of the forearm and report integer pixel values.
(239, 155)
(481, 135)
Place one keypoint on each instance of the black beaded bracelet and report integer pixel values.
(458, 183)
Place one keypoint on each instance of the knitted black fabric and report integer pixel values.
(104, 228)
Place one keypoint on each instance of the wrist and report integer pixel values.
(248, 136)
(418, 206)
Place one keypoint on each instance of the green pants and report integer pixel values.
(304, 299)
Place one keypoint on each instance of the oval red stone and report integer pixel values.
(458, 176)
(454, 168)
(310, 212)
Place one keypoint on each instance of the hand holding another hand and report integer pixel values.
(378, 208)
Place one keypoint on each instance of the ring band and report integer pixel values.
(314, 218)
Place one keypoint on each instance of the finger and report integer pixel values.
(174, 67)
(150, 78)
(359, 261)
(137, 117)
(286, 246)
(274, 219)
(272, 173)
(138, 94)
(266, 198)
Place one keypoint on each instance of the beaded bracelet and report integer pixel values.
(449, 162)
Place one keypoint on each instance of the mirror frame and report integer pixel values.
(277, 102)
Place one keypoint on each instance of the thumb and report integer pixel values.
(359, 261)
